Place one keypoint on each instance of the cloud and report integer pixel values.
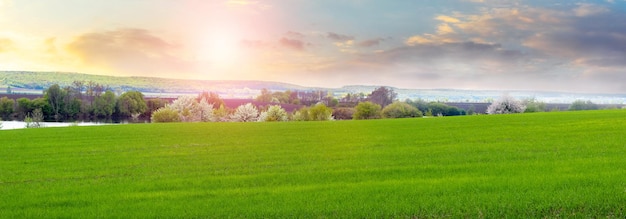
(585, 9)
(294, 34)
(128, 50)
(339, 37)
(370, 42)
(447, 19)
(292, 43)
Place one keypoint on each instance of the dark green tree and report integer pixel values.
(131, 103)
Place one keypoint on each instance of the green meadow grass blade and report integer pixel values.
(564, 164)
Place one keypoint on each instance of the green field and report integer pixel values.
(561, 164)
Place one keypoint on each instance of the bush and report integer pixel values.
(320, 112)
(400, 110)
(245, 113)
(505, 105)
(274, 114)
(532, 105)
(343, 113)
(583, 105)
(367, 110)
(165, 114)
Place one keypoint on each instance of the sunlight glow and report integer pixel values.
(220, 49)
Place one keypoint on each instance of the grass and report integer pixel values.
(564, 164)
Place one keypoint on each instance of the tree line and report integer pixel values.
(92, 100)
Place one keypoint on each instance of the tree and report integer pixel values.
(55, 97)
(382, 96)
(154, 104)
(9, 91)
(221, 114)
(34, 119)
(274, 113)
(533, 105)
(505, 105)
(583, 105)
(320, 112)
(400, 110)
(6, 107)
(265, 97)
(104, 105)
(131, 103)
(187, 108)
(211, 98)
(165, 114)
(343, 113)
(245, 113)
(367, 110)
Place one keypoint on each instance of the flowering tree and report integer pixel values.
(274, 113)
(190, 110)
(506, 105)
(245, 113)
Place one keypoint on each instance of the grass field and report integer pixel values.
(562, 164)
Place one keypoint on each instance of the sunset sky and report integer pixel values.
(576, 46)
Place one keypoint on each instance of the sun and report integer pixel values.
(219, 49)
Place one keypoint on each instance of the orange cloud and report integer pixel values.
(128, 50)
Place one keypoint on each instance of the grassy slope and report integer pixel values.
(531, 165)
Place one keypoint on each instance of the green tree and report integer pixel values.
(154, 104)
(56, 98)
(367, 110)
(24, 106)
(131, 103)
(104, 105)
(6, 107)
(583, 105)
(400, 110)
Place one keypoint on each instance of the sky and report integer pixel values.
(535, 45)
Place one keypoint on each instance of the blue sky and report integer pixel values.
(575, 46)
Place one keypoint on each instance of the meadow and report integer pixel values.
(558, 164)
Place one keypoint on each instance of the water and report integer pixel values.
(7, 125)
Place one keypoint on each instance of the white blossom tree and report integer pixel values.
(245, 113)
(506, 105)
(206, 110)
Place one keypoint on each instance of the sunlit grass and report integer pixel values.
(567, 164)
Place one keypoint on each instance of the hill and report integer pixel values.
(35, 82)
(540, 165)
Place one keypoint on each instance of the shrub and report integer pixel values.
(320, 112)
(583, 105)
(343, 113)
(367, 110)
(165, 114)
(400, 110)
(274, 113)
(505, 105)
(245, 113)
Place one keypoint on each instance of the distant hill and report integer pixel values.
(36, 82)
(42, 80)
